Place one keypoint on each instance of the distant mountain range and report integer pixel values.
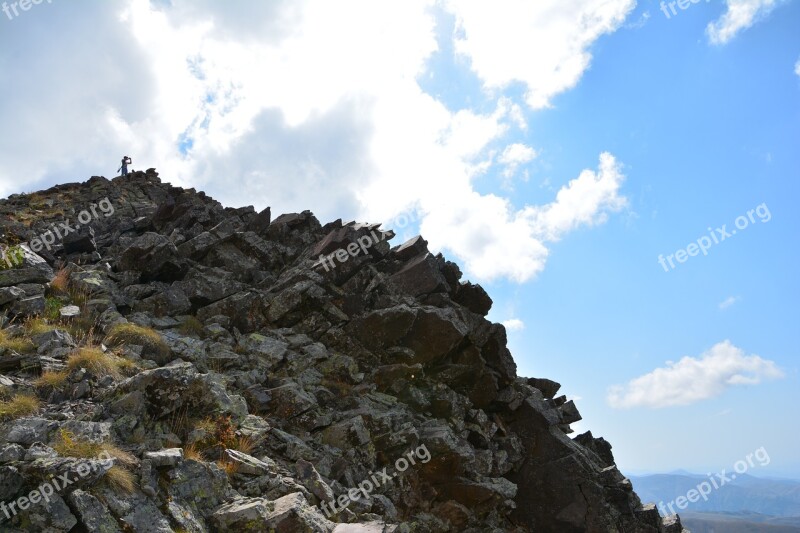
(745, 504)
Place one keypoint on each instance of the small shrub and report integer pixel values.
(154, 346)
(11, 257)
(52, 308)
(19, 406)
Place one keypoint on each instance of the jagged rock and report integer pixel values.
(292, 513)
(32, 269)
(348, 374)
(420, 276)
(246, 464)
(26, 431)
(80, 241)
(248, 515)
(10, 294)
(92, 513)
(28, 306)
(11, 452)
(168, 457)
(11, 482)
(548, 387)
(154, 255)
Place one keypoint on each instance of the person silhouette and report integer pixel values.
(124, 166)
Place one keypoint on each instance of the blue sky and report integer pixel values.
(554, 149)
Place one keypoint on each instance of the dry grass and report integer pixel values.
(120, 480)
(67, 445)
(60, 283)
(17, 344)
(229, 467)
(99, 363)
(192, 452)
(242, 444)
(18, 406)
(150, 339)
(51, 379)
(37, 326)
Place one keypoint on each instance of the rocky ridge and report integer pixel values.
(236, 383)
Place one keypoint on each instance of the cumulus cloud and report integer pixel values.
(740, 15)
(544, 44)
(515, 155)
(693, 379)
(495, 240)
(514, 324)
(797, 67)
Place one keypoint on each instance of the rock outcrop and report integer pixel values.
(238, 381)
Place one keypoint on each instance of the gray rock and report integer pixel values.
(26, 431)
(11, 452)
(10, 294)
(11, 482)
(70, 311)
(167, 457)
(246, 514)
(246, 464)
(92, 513)
(33, 269)
(28, 306)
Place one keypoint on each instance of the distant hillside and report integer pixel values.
(739, 523)
(745, 494)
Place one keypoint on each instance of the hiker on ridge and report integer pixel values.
(124, 166)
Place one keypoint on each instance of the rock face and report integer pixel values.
(368, 393)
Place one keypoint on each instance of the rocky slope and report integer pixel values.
(190, 367)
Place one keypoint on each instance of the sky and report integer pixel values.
(621, 176)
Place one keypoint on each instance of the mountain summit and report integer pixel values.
(169, 364)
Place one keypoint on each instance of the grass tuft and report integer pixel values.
(51, 379)
(120, 480)
(19, 406)
(16, 344)
(149, 339)
(99, 363)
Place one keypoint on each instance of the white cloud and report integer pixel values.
(586, 200)
(495, 241)
(727, 302)
(693, 379)
(797, 67)
(515, 155)
(514, 324)
(302, 105)
(543, 43)
(740, 15)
